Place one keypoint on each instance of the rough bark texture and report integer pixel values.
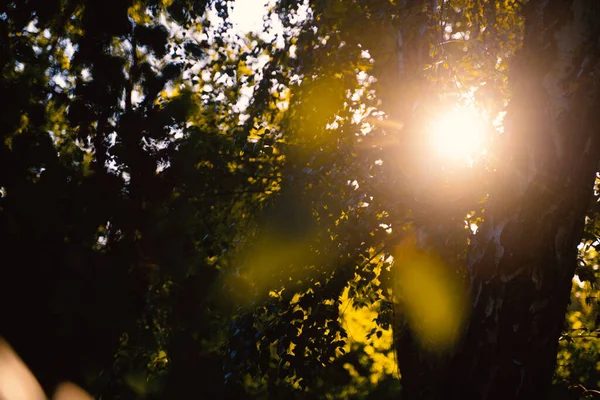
(522, 261)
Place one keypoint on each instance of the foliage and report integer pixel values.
(189, 213)
(123, 174)
(579, 351)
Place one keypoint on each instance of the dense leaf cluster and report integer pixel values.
(187, 213)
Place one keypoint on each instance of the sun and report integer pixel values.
(458, 135)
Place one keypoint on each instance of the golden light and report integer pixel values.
(432, 298)
(458, 135)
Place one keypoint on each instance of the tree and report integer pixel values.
(124, 174)
(212, 242)
(521, 262)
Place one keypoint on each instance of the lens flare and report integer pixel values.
(432, 297)
(458, 135)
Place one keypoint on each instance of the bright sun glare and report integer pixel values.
(458, 135)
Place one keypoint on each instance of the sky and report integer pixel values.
(247, 15)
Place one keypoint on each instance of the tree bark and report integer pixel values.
(522, 261)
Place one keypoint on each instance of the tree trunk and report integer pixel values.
(522, 261)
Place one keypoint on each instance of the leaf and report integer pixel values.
(172, 71)
(194, 49)
(155, 37)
